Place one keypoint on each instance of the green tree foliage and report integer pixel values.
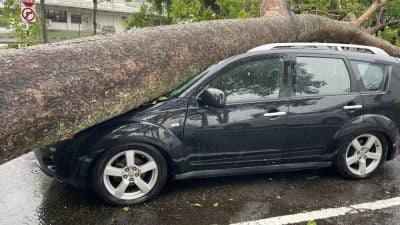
(162, 8)
(186, 11)
(15, 24)
(197, 10)
(334, 9)
(143, 18)
(238, 8)
(390, 35)
(340, 9)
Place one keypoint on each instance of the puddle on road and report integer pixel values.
(28, 196)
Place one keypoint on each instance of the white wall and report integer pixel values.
(103, 19)
(111, 20)
(57, 26)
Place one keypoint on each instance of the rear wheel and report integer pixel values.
(361, 155)
(129, 174)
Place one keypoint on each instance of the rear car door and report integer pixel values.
(373, 79)
(324, 97)
(249, 131)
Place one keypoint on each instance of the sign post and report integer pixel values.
(28, 12)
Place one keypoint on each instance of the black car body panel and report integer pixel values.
(200, 141)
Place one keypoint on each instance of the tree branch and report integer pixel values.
(350, 17)
(380, 27)
(338, 5)
(274, 8)
(380, 18)
(377, 4)
(316, 11)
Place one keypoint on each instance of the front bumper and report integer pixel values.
(45, 161)
(54, 161)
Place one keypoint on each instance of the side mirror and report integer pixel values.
(213, 97)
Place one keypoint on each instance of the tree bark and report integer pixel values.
(375, 6)
(339, 5)
(73, 85)
(95, 3)
(381, 27)
(43, 21)
(274, 8)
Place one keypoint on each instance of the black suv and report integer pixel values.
(277, 107)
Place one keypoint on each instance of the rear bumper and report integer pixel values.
(396, 151)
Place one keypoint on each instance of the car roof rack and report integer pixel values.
(323, 46)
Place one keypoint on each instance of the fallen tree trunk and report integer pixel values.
(51, 91)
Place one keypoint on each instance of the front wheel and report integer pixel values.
(361, 155)
(129, 174)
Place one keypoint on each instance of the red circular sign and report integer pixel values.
(28, 14)
(28, 3)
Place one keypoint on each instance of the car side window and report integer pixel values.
(252, 80)
(371, 74)
(321, 76)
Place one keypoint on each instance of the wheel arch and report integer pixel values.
(140, 133)
(370, 123)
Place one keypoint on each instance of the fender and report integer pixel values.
(371, 122)
(128, 132)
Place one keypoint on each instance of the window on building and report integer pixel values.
(56, 15)
(321, 76)
(76, 18)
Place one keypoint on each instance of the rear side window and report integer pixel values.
(321, 76)
(372, 75)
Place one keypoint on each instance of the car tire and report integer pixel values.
(129, 174)
(360, 161)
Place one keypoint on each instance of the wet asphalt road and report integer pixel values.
(27, 196)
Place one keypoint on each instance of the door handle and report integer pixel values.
(274, 114)
(352, 107)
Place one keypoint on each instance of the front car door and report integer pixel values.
(324, 97)
(249, 131)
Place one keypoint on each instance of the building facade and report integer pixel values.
(68, 19)
(75, 15)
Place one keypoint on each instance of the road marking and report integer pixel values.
(325, 213)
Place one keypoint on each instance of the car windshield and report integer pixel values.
(190, 82)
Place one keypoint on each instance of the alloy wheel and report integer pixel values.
(130, 174)
(364, 154)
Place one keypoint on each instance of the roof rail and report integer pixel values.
(323, 46)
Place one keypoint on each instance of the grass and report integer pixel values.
(56, 35)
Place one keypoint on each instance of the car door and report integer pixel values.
(324, 97)
(249, 131)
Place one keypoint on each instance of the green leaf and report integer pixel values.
(216, 204)
(312, 223)
(197, 205)
(126, 209)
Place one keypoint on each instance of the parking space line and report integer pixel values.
(325, 213)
